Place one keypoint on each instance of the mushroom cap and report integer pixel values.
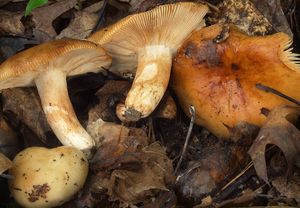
(219, 80)
(47, 177)
(167, 25)
(72, 56)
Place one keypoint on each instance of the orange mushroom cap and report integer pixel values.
(220, 79)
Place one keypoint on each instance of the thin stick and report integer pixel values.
(101, 17)
(188, 136)
(276, 92)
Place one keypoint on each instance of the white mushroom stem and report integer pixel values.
(150, 83)
(52, 88)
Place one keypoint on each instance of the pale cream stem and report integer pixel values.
(150, 83)
(52, 88)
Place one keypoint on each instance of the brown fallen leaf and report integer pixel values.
(106, 95)
(139, 175)
(126, 169)
(9, 142)
(290, 188)
(277, 130)
(5, 163)
(244, 15)
(25, 105)
(10, 23)
(218, 164)
(3, 2)
(83, 23)
(9, 46)
(117, 141)
(42, 19)
(247, 196)
(272, 10)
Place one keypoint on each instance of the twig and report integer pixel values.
(101, 16)
(188, 136)
(276, 92)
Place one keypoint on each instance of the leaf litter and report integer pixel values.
(277, 130)
(129, 168)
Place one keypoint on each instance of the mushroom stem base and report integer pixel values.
(150, 83)
(52, 88)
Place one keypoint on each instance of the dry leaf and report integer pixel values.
(25, 105)
(9, 142)
(43, 17)
(83, 23)
(106, 95)
(9, 46)
(290, 188)
(141, 175)
(244, 15)
(217, 164)
(5, 163)
(272, 10)
(127, 168)
(3, 2)
(277, 130)
(10, 23)
(117, 141)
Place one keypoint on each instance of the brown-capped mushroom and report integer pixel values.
(220, 79)
(148, 41)
(47, 66)
(44, 177)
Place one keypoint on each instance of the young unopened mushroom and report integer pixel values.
(148, 41)
(220, 80)
(47, 66)
(44, 177)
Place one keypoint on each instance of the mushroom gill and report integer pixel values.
(143, 45)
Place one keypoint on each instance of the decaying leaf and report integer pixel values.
(3, 2)
(277, 130)
(217, 164)
(244, 15)
(83, 23)
(109, 96)
(9, 142)
(10, 23)
(272, 10)
(11, 45)
(127, 168)
(247, 196)
(117, 140)
(139, 175)
(290, 188)
(5, 163)
(41, 17)
(25, 105)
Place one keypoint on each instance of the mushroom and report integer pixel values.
(148, 41)
(220, 80)
(47, 66)
(44, 177)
